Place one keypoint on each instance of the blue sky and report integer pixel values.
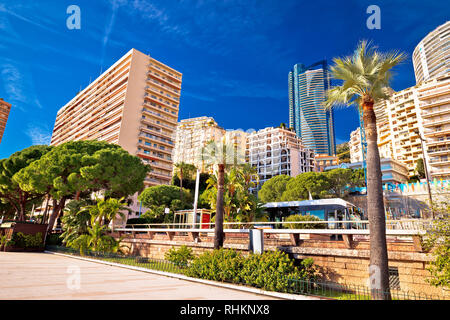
(234, 55)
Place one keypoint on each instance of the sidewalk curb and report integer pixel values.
(285, 296)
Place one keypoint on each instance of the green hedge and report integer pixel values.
(180, 257)
(53, 239)
(22, 240)
(298, 217)
(138, 221)
(269, 271)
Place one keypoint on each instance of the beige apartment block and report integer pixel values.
(424, 108)
(191, 136)
(277, 151)
(431, 57)
(5, 108)
(133, 104)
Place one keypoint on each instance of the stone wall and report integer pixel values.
(339, 261)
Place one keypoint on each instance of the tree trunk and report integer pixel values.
(378, 269)
(57, 208)
(218, 232)
(22, 206)
(44, 216)
(21, 211)
(181, 185)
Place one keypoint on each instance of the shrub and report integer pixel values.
(141, 220)
(2, 240)
(298, 217)
(53, 239)
(180, 257)
(26, 240)
(270, 271)
(219, 265)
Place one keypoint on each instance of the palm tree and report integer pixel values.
(366, 77)
(183, 170)
(106, 210)
(220, 154)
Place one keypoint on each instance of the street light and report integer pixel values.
(426, 172)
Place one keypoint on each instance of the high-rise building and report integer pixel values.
(307, 115)
(133, 104)
(191, 136)
(424, 108)
(277, 151)
(431, 57)
(5, 108)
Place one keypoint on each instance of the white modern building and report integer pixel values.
(431, 57)
(277, 151)
(424, 108)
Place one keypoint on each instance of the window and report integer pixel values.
(394, 280)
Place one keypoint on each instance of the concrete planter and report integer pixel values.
(26, 229)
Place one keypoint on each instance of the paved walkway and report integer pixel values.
(47, 276)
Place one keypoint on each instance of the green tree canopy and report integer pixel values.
(299, 188)
(10, 189)
(157, 198)
(339, 179)
(273, 189)
(83, 166)
(420, 168)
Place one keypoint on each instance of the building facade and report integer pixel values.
(321, 161)
(392, 171)
(425, 109)
(276, 151)
(433, 99)
(307, 115)
(191, 136)
(5, 108)
(431, 57)
(355, 146)
(133, 104)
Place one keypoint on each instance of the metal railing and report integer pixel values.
(131, 260)
(393, 227)
(338, 291)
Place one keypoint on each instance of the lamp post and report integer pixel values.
(426, 172)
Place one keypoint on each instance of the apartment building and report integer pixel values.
(431, 57)
(5, 108)
(433, 98)
(355, 146)
(424, 108)
(194, 134)
(191, 136)
(133, 104)
(392, 171)
(321, 161)
(277, 151)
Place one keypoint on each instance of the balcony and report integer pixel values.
(159, 115)
(162, 78)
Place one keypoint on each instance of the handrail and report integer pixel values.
(391, 232)
(400, 223)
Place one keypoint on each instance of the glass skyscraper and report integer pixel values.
(307, 115)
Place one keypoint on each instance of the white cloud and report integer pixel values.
(18, 86)
(38, 135)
